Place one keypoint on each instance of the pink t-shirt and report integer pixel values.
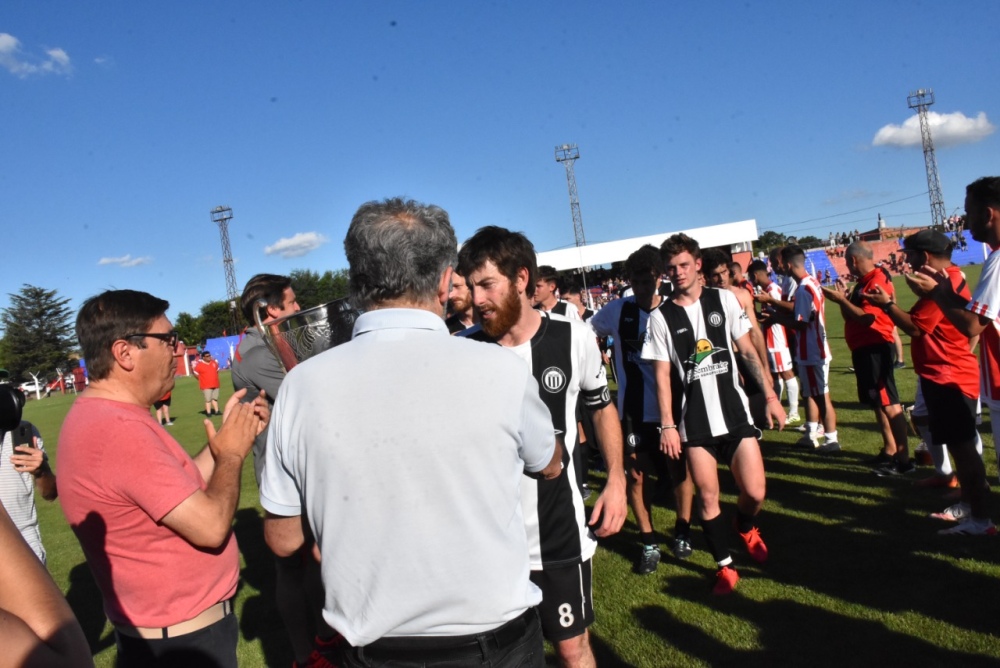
(119, 474)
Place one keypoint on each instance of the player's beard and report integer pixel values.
(460, 305)
(505, 315)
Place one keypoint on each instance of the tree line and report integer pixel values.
(38, 326)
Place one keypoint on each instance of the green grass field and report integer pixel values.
(856, 575)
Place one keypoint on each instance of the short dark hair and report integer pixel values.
(755, 266)
(985, 191)
(398, 249)
(111, 316)
(735, 265)
(509, 251)
(573, 288)
(713, 258)
(548, 274)
(267, 287)
(677, 244)
(646, 260)
(793, 254)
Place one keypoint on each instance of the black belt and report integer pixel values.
(443, 648)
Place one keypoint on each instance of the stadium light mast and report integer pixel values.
(221, 215)
(920, 100)
(569, 154)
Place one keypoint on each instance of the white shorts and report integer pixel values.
(780, 359)
(813, 379)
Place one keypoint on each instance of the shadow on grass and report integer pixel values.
(84, 597)
(878, 550)
(259, 618)
(792, 634)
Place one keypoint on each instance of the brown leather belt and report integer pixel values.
(210, 616)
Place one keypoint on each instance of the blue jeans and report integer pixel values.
(516, 644)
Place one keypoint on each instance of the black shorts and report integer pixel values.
(640, 436)
(642, 452)
(873, 366)
(567, 606)
(161, 403)
(723, 448)
(951, 416)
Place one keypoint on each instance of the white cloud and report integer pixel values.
(55, 61)
(296, 246)
(946, 130)
(125, 260)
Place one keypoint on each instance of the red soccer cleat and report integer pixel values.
(725, 581)
(755, 545)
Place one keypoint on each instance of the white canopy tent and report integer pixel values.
(737, 235)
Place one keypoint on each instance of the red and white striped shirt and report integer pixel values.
(776, 336)
(986, 302)
(810, 306)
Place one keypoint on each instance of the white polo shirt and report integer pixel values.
(405, 447)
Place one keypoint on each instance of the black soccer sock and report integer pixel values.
(647, 538)
(682, 528)
(717, 537)
(744, 523)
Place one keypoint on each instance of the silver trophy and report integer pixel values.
(299, 336)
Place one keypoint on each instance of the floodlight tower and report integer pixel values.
(221, 215)
(920, 100)
(568, 154)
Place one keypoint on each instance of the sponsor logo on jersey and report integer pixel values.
(714, 319)
(553, 379)
(700, 364)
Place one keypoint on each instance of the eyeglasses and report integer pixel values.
(170, 338)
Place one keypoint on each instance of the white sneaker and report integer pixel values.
(793, 418)
(956, 513)
(971, 527)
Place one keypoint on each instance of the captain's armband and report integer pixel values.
(596, 399)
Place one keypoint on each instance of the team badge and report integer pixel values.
(714, 319)
(553, 379)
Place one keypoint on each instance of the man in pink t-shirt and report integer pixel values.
(155, 524)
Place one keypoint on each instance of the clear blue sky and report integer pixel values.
(125, 123)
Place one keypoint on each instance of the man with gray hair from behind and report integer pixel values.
(412, 494)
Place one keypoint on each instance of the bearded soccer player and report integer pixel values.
(703, 410)
(779, 357)
(868, 331)
(977, 315)
(626, 320)
(563, 356)
(459, 305)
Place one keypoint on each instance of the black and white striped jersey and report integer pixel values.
(697, 340)
(624, 320)
(567, 364)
